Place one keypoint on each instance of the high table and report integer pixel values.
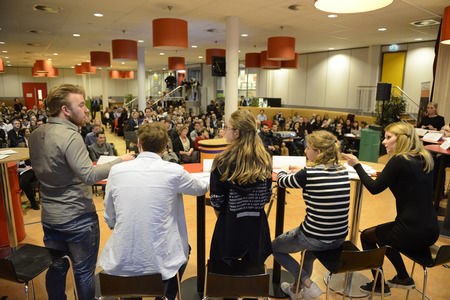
(444, 225)
(22, 154)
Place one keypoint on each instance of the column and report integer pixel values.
(104, 88)
(141, 78)
(232, 66)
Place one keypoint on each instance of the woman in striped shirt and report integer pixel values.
(326, 192)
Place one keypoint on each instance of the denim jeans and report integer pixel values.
(81, 238)
(295, 241)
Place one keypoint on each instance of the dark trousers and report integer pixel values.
(81, 238)
(25, 181)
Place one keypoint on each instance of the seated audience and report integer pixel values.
(149, 226)
(220, 133)
(133, 122)
(267, 141)
(91, 137)
(15, 135)
(203, 136)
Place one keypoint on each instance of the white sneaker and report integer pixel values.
(311, 292)
(286, 288)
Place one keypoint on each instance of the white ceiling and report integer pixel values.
(260, 19)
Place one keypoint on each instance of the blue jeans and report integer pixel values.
(80, 238)
(295, 241)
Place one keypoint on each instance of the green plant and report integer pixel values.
(388, 112)
(128, 98)
(254, 102)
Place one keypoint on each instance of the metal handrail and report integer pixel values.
(412, 108)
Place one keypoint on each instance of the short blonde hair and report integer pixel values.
(329, 148)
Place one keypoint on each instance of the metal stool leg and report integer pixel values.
(302, 258)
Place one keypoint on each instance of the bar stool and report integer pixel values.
(348, 258)
(427, 258)
(236, 280)
(27, 262)
(133, 286)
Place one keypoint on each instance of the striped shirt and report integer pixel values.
(326, 193)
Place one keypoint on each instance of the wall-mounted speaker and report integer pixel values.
(383, 91)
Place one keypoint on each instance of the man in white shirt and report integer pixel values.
(262, 117)
(144, 206)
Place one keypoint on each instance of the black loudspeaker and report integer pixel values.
(383, 91)
(218, 66)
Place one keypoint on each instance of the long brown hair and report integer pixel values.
(245, 161)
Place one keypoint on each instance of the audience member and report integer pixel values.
(15, 135)
(266, 139)
(204, 135)
(100, 147)
(184, 147)
(432, 120)
(91, 137)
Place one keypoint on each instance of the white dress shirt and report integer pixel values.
(144, 205)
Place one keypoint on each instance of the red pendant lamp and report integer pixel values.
(78, 70)
(281, 48)
(445, 30)
(36, 74)
(2, 66)
(100, 59)
(170, 34)
(252, 60)
(43, 66)
(124, 50)
(127, 74)
(214, 52)
(269, 64)
(177, 63)
(290, 64)
(53, 73)
(115, 74)
(86, 68)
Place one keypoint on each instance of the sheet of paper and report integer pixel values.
(445, 145)
(420, 131)
(207, 165)
(3, 156)
(8, 152)
(352, 172)
(204, 176)
(432, 136)
(105, 159)
(280, 161)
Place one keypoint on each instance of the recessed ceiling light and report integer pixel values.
(194, 46)
(123, 63)
(418, 39)
(55, 53)
(332, 16)
(164, 68)
(4, 51)
(49, 59)
(98, 15)
(8, 61)
(9, 65)
(140, 41)
(161, 53)
(330, 48)
(76, 34)
(2, 43)
(200, 56)
(6, 56)
(382, 29)
(239, 51)
(72, 67)
(244, 34)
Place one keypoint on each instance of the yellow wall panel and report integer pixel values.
(393, 68)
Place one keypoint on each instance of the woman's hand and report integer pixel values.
(295, 169)
(351, 159)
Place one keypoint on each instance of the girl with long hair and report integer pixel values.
(408, 174)
(240, 186)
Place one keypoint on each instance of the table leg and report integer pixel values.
(201, 251)
(440, 179)
(7, 202)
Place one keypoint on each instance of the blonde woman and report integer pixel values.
(326, 191)
(432, 120)
(240, 186)
(409, 175)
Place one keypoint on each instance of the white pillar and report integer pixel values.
(141, 78)
(104, 88)
(232, 66)
(85, 85)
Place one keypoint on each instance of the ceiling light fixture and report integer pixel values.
(2, 43)
(140, 41)
(170, 34)
(252, 60)
(281, 48)
(2, 66)
(98, 15)
(177, 63)
(76, 34)
(194, 46)
(124, 49)
(382, 29)
(350, 6)
(214, 52)
(445, 31)
(100, 59)
(332, 16)
(244, 34)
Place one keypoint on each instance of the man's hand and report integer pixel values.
(127, 156)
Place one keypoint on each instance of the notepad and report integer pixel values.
(280, 161)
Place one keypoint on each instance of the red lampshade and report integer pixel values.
(78, 70)
(214, 52)
(43, 66)
(53, 73)
(170, 34)
(124, 50)
(177, 63)
(115, 74)
(269, 64)
(100, 59)
(252, 60)
(290, 64)
(2, 66)
(36, 74)
(445, 30)
(86, 68)
(281, 48)
(128, 74)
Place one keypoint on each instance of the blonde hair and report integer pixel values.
(329, 148)
(245, 160)
(58, 97)
(408, 143)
